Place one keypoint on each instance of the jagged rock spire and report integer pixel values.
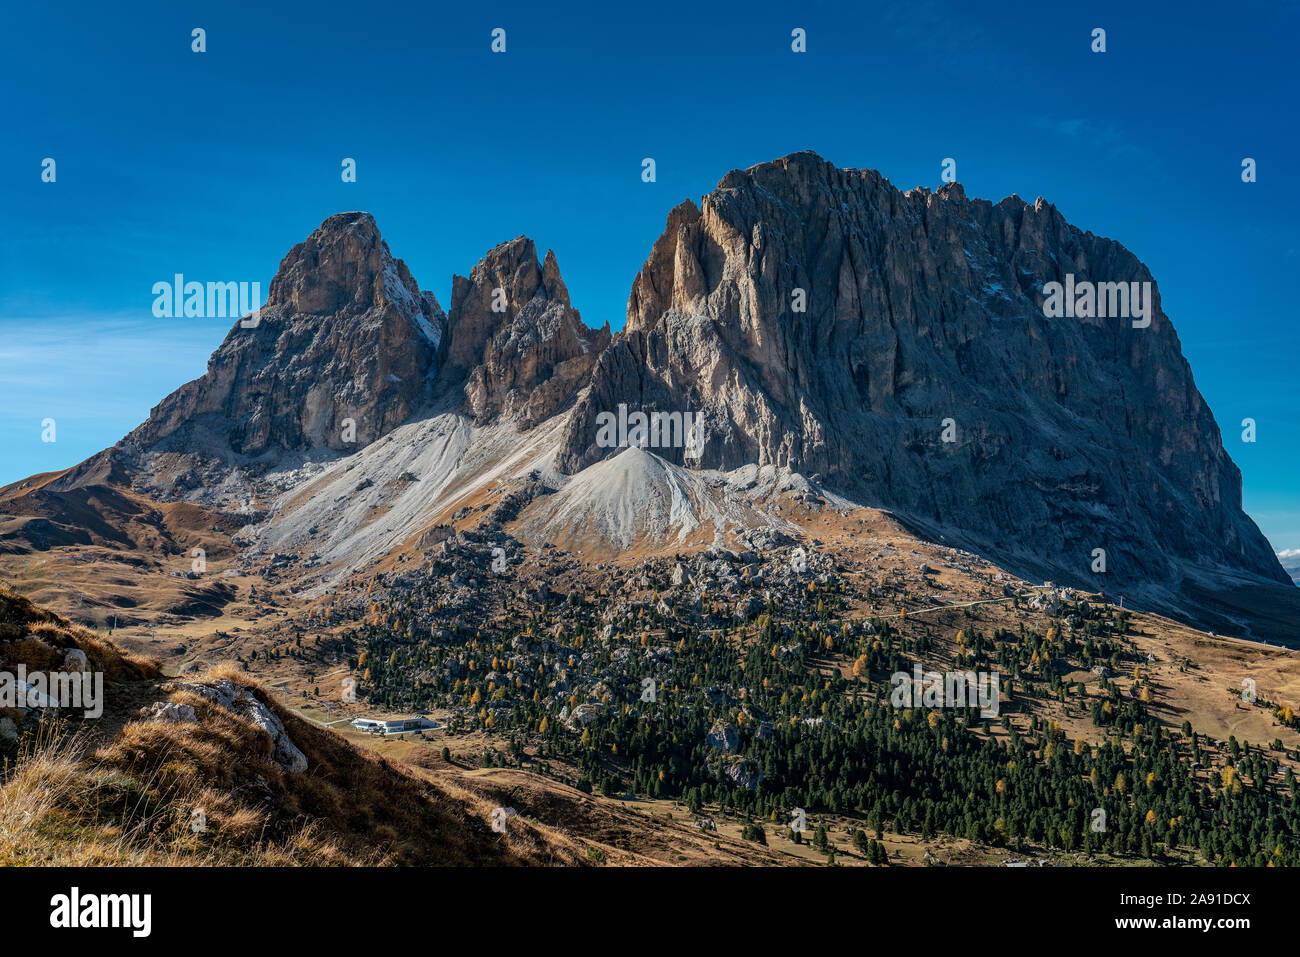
(342, 352)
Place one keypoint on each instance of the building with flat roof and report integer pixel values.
(393, 725)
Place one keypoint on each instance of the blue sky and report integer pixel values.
(214, 164)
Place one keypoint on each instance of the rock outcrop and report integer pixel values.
(240, 701)
(171, 712)
(723, 736)
(515, 340)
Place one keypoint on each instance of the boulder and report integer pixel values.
(172, 712)
(723, 736)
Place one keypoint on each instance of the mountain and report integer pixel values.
(345, 334)
(519, 352)
(654, 589)
(922, 309)
(841, 341)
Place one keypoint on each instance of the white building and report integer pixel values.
(393, 725)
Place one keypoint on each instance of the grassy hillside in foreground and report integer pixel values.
(128, 790)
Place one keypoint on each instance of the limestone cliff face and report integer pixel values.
(516, 345)
(345, 334)
(922, 320)
(889, 345)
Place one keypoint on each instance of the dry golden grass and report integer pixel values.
(126, 790)
(134, 786)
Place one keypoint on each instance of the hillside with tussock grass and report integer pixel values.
(149, 783)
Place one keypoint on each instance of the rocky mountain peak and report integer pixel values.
(504, 281)
(516, 343)
(344, 265)
(671, 277)
(553, 285)
(342, 352)
(896, 347)
(893, 347)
